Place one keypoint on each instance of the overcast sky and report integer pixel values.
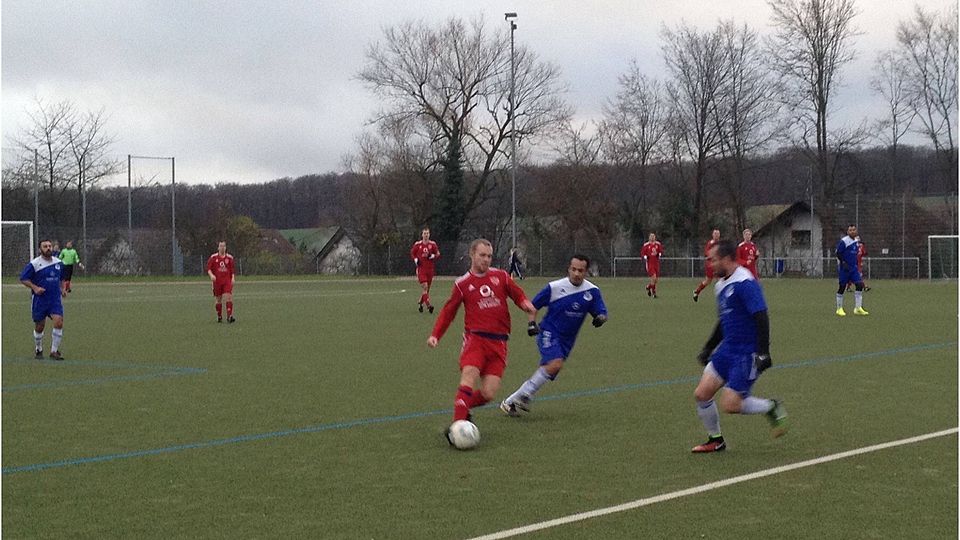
(252, 91)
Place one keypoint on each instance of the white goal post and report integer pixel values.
(17, 247)
(945, 255)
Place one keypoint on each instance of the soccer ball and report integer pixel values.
(464, 435)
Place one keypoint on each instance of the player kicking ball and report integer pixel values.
(568, 301)
(737, 352)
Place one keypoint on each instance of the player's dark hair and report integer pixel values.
(581, 257)
(44, 240)
(726, 249)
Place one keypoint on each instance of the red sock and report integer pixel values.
(219, 310)
(461, 407)
(229, 309)
(478, 399)
(426, 298)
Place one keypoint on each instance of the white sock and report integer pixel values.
(38, 340)
(530, 387)
(707, 411)
(839, 301)
(755, 405)
(57, 336)
(858, 297)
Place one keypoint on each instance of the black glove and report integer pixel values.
(762, 362)
(533, 328)
(704, 357)
(599, 320)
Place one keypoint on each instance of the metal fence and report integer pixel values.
(826, 267)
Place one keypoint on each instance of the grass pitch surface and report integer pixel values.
(319, 415)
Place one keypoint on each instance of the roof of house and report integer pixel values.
(314, 239)
(782, 217)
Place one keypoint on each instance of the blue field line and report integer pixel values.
(157, 372)
(423, 414)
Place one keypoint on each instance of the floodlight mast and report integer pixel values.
(513, 128)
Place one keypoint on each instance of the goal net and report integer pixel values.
(942, 256)
(16, 245)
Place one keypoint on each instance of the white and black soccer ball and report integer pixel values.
(464, 435)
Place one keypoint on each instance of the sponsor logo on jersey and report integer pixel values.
(587, 296)
(485, 291)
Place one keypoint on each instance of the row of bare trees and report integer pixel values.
(68, 148)
(729, 97)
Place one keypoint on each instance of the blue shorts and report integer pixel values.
(735, 366)
(551, 347)
(42, 310)
(850, 276)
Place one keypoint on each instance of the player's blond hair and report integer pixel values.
(478, 242)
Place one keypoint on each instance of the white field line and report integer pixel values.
(708, 487)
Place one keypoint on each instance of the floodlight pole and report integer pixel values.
(173, 205)
(129, 202)
(513, 128)
(36, 193)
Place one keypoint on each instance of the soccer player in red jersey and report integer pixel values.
(861, 253)
(714, 240)
(424, 252)
(651, 252)
(483, 291)
(747, 253)
(220, 270)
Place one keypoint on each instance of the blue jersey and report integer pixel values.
(45, 273)
(847, 250)
(567, 307)
(739, 297)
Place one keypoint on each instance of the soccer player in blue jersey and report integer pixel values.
(848, 271)
(737, 352)
(42, 275)
(568, 301)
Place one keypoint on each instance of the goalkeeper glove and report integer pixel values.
(704, 357)
(599, 320)
(533, 328)
(762, 362)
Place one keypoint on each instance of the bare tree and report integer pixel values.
(88, 143)
(812, 43)
(456, 79)
(634, 130)
(890, 82)
(45, 133)
(699, 70)
(745, 111)
(928, 48)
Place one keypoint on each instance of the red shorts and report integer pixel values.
(653, 269)
(709, 268)
(487, 355)
(425, 276)
(222, 287)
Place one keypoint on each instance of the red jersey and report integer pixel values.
(222, 267)
(421, 252)
(709, 246)
(747, 254)
(652, 251)
(861, 253)
(485, 303)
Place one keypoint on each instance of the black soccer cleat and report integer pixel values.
(696, 296)
(420, 307)
(430, 309)
(56, 355)
(232, 319)
(38, 354)
(219, 319)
